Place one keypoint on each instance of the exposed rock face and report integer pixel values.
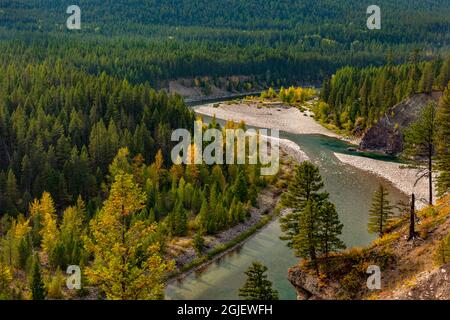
(308, 287)
(386, 135)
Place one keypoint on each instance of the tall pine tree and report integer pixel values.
(443, 144)
(257, 286)
(380, 212)
(420, 145)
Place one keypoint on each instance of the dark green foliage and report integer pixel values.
(313, 226)
(420, 145)
(443, 144)
(199, 243)
(24, 252)
(257, 287)
(58, 133)
(38, 290)
(330, 229)
(380, 212)
(241, 186)
(357, 97)
(304, 189)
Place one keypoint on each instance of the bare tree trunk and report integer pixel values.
(412, 219)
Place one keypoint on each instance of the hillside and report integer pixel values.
(409, 269)
(386, 135)
(277, 42)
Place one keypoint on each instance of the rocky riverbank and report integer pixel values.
(402, 178)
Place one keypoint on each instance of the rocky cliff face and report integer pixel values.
(308, 286)
(386, 135)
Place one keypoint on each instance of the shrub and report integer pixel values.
(54, 290)
(442, 254)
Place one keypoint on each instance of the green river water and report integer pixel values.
(350, 190)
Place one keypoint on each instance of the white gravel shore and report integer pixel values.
(401, 178)
(288, 119)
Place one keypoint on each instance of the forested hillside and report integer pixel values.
(86, 177)
(277, 41)
(355, 98)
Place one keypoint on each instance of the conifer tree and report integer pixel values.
(420, 145)
(312, 227)
(241, 186)
(199, 243)
(38, 291)
(380, 212)
(257, 286)
(307, 241)
(443, 143)
(304, 187)
(330, 229)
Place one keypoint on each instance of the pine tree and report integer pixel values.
(199, 243)
(380, 212)
(313, 226)
(241, 186)
(257, 287)
(304, 188)
(38, 290)
(443, 144)
(330, 229)
(307, 241)
(420, 145)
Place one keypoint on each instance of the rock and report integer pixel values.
(308, 286)
(386, 136)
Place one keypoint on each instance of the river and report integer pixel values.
(350, 190)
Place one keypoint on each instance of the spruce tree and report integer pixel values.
(38, 290)
(304, 187)
(241, 186)
(330, 229)
(313, 226)
(443, 144)
(199, 243)
(380, 212)
(257, 286)
(420, 145)
(306, 242)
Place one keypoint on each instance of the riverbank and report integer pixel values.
(402, 178)
(411, 269)
(216, 246)
(281, 117)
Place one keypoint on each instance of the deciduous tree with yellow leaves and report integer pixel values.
(127, 262)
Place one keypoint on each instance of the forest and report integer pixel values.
(355, 98)
(86, 122)
(277, 42)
